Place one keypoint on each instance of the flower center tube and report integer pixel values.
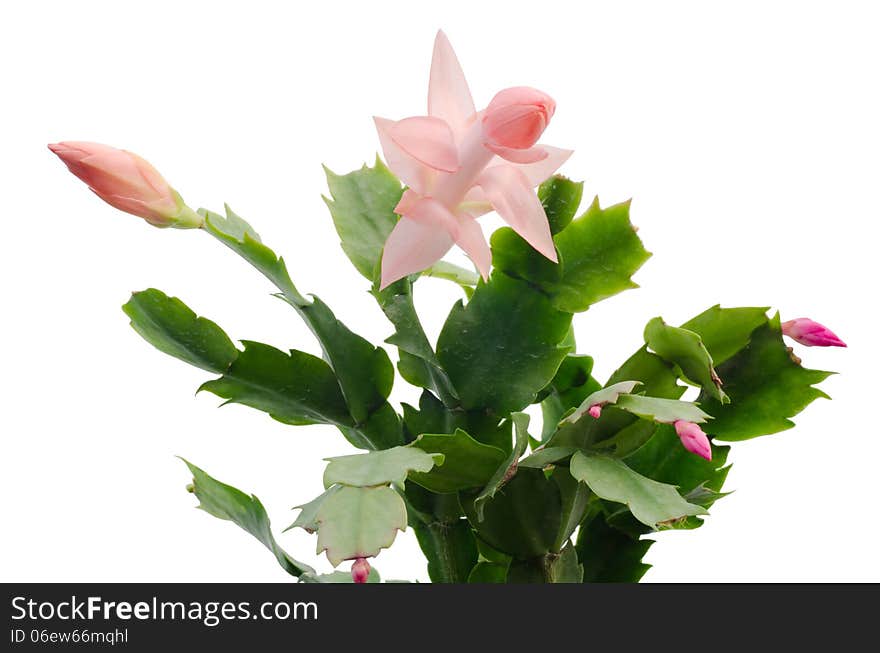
(474, 156)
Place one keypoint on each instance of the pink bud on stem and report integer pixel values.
(127, 182)
(516, 117)
(693, 439)
(811, 334)
(360, 570)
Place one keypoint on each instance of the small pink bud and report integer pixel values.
(516, 117)
(595, 411)
(811, 334)
(693, 439)
(128, 183)
(360, 570)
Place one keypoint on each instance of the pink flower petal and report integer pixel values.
(449, 97)
(529, 155)
(411, 247)
(428, 211)
(540, 170)
(511, 195)
(429, 140)
(408, 169)
(133, 206)
(407, 201)
(473, 241)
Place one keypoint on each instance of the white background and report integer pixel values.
(747, 134)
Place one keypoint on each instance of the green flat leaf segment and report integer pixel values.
(767, 385)
(609, 555)
(294, 388)
(571, 385)
(657, 375)
(308, 515)
(364, 372)
(657, 379)
(379, 467)
(485, 573)
(171, 327)
(686, 350)
(450, 547)
(504, 346)
(561, 198)
(665, 411)
(544, 456)
(650, 502)
(565, 568)
(509, 467)
(574, 502)
(234, 232)
(665, 460)
(467, 463)
(607, 395)
(703, 495)
(598, 254)
(362, 208)
(725, 331)
(523, 519)
(418, 362)
(358, 522)
(226, 502)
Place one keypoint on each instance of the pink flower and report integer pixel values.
(693, 439)
(595, 411)
(127, 182)
(811, 334)
(459, 164)
(360, 570)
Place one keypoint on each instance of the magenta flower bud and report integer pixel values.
(127, 182)
(811, 334)
(595, 411)
(693, 439)
(516, 117)
(360, 570)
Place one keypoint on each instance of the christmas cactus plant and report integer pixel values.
(492, 498)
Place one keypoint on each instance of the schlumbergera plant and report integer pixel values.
(490, 499)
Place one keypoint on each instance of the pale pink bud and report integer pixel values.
(595, 411)
(128, 183)
(516, 117)
(693, 439)
(811, 334)
(360, 570)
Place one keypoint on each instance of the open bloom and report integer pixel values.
(693, 438)
(127, 182)
(811, 334)
(459, 164)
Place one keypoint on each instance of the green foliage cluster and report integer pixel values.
(490, 501)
